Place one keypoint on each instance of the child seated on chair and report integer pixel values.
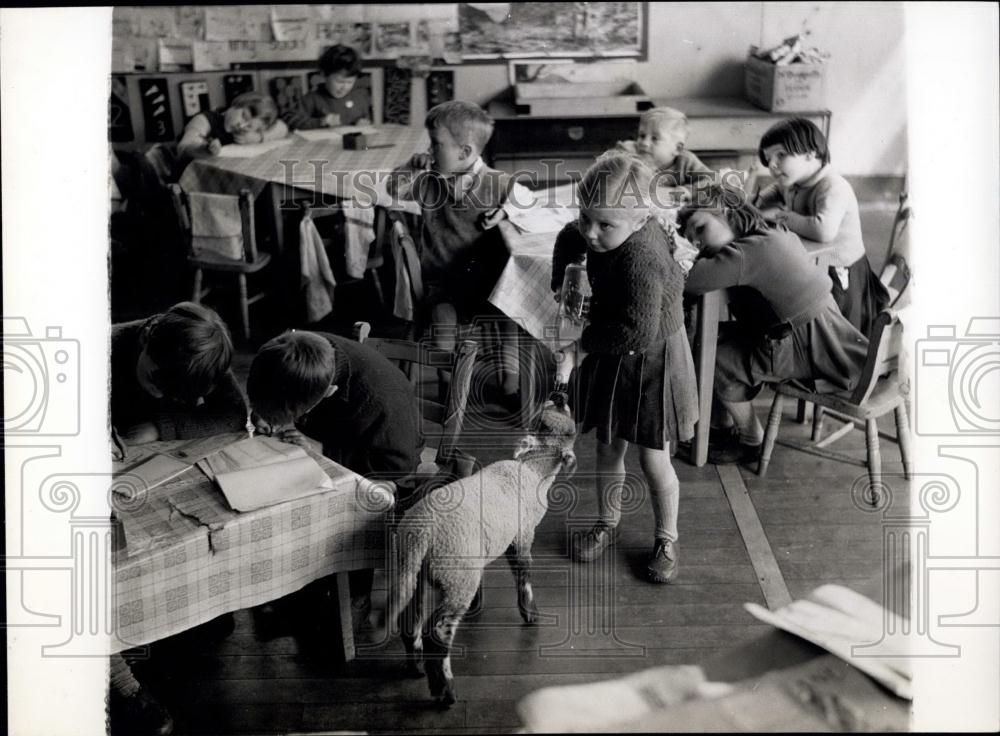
(788, 326)
(350, 398)
(663, 131)
(345, 395)
(171, 377)
(462, 201)
(813, 201)
(251, 118)
(338, 101)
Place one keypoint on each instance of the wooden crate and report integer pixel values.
(597, 98)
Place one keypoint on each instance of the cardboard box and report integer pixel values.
(788, 88)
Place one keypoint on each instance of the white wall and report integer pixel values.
(697, 49)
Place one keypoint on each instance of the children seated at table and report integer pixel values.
(787, 327)
(462, 200)
(813, 201)
(636, 382)
(171, 377)
(170, 380)
(663, 131)
(251, 118)
(338, 101)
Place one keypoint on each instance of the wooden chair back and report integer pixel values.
(896, 271)
(409, 356)
(884, 348)
(404, 247)
(179, 198)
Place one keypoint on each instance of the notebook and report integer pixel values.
(263, 471)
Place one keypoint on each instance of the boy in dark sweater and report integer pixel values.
(462, 200)
(338, 101)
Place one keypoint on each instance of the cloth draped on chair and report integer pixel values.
(216, 225)
(317, 279)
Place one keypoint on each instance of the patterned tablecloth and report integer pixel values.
(187, 557)
(314, 165)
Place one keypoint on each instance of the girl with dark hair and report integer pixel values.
(788, 326)
(813, 201)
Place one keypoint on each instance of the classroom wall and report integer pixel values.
(697, 49)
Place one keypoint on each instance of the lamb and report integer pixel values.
(446, 539)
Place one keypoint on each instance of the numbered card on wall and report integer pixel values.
(236, 84)
(119, 116)
(194, 98)
(156, 110)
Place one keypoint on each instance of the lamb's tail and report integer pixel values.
(412, 544)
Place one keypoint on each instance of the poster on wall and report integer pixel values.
(156, 110)
(194, 98)
(119, 116)
(586, 30)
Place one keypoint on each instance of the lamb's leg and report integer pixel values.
(519, 557)
(437, 654)
(411, 623)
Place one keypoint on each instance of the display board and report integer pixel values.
(182, 38)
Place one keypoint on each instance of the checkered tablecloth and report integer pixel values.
(192, 558)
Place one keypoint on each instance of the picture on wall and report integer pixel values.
(119, 116)
(496, 30)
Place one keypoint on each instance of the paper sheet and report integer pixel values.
(249, 150)
(250, 453)
(250, 489)
(154, 470)
(838, 619)
(321, 134)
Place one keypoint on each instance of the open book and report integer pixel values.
(262, 471)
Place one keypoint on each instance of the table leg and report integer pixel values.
(277, 195)
(344, 608)
(708, 333)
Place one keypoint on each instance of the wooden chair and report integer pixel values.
(375, 260)
(879, 391)
(251, 261)
(450, 414)
(895, 275)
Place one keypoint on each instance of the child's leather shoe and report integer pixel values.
(591, 545)
(662, 567)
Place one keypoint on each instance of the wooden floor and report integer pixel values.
(812, 533)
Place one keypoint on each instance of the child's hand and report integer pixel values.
(253, 136)
(363, 122)
(119, 450)
(292, 436)
(420, 161)
(214, 145)
(332, 120)
(260, 425)
(492, 218)
(774, 214)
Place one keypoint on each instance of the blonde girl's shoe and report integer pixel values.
(591, 545)
(662, 566)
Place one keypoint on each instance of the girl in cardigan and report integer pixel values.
(636, 381)
(787, 327)
(816, 203)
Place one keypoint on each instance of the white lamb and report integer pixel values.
(446, 539)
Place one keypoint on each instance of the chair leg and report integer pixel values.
(244, 306)
(196, 290)
(903, 437)
(377, 286)
(770, 434)
(802, 412)
(817, 430)
(874, 461)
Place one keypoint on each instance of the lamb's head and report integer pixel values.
(554, 434)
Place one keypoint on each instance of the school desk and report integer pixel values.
(304, 165)
(188, 558)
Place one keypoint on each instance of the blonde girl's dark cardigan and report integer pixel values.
(637, 289)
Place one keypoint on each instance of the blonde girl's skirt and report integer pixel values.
(648, 398)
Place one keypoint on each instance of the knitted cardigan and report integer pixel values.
(637, 289)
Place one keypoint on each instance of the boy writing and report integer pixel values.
(338, 101)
